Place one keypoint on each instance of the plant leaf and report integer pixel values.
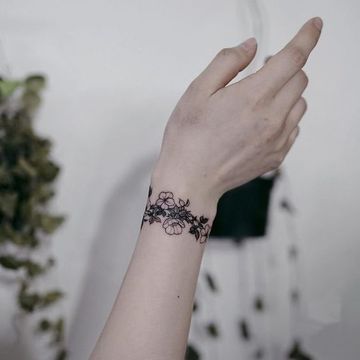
(8, 203)
(7, 87)
(10, 262)
(49, 223)
(28, 301)
(35, 82)
(51, 297)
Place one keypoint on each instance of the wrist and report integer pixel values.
(202, 197)
(180, 207)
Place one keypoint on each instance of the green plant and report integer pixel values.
(27, 175)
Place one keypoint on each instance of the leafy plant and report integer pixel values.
(27, 175)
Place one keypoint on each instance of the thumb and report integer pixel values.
(226, 65)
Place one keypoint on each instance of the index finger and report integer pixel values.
(280, 68)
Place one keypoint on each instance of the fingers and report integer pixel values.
(290, 142)
(290, 93)
(294, 117)
(226, 65)
(291, 125)
(287, 62)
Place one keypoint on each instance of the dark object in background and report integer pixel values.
(212, 330)
(244, 330)
(259, 305)
(191, 353)
(211, 282)
(243, 211)
(259, 354)
(297, 353)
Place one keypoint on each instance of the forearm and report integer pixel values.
(151, 316)
(218, 137)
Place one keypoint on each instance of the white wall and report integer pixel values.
(116, 69)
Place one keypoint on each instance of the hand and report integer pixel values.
(221, 136)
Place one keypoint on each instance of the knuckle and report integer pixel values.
(276, 162)
(225, 52)
(275, 129)
(255, 91)
(297, 55)
(297, 131)
(281, 126)
(279, 146)
(279, 159)
(271, 135)
(303, 104)
(276, 124)
(258, 100)
(231, 53)
(305, 78)
(292, 137)
(193, 86)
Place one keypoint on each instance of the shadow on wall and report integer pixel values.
(109, 257)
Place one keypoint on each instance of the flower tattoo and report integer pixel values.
(173, 226)
(166, 200)
(174, 216)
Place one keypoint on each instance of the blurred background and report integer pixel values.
(115, 69)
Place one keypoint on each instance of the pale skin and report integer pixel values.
(218, 137)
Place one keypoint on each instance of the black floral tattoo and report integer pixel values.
(174, 216)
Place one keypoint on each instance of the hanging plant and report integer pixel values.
(27, 175)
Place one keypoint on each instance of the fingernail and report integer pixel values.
(318, 23)
(249, 44)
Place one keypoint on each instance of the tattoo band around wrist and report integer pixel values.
(175, 216)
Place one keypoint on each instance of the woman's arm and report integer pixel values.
(151, 316)
(217, 138)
